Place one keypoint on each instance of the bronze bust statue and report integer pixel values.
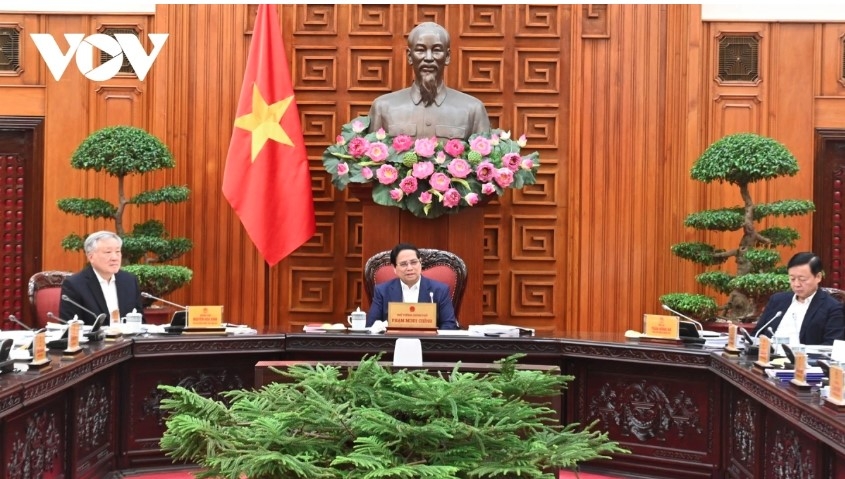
(429, 108)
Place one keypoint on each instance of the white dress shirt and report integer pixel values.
(110, 292)
(790, 324)
(411, 294)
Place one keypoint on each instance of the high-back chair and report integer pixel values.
(45, 291)
(837, 294)
(436, 264)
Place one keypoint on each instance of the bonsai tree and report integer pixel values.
(372, 422)
(740, 159)
(121, 151)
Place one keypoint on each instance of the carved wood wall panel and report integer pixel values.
(618, 113)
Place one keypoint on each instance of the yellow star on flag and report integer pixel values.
(265, 121)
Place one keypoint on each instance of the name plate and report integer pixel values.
(39, 349)
(800, 367)
(661, 326)
(732, 330)
(73, 335)
(412, 315)
(764, 350)
(837, 382)
(205, 316)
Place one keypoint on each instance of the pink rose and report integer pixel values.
(471, 199)
(425, 197)
(408, 184)
(439, 181)
(454, 147)
(504, 177)
(387, 174)
(485, 171)
(511, 160)
(425, 146)
(377, 151)
(527, 163)
(423, 169)
(481, 145)
(459, 168)
(451, 198)
(396, 194)
(488, 188)
(402, 143)
(358, 147)
(342, 168)
(366, 173)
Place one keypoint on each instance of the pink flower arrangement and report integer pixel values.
(429, 176)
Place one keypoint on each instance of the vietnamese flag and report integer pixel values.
(267, 180)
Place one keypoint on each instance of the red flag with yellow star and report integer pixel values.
(267, 180)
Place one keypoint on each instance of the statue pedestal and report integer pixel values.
(462, 234)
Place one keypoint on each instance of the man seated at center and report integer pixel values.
(411, 286)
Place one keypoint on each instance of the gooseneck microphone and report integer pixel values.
(83, 308)
(17, 321)
(149, 296)
(431, 294)
(53, 317)
(696, 323)
(776, 316)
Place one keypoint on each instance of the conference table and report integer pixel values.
(682, 411)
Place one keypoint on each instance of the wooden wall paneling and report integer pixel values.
(619, 100)
(830, 61)
(68, 116)
(792, 88)
(681, 141)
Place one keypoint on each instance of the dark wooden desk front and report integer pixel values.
(683, 412)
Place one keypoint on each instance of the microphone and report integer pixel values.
(15, 320)
(431, 294)
(83, 308)
(53, 317)
(149, 296)
(698, 325)
(776, 316)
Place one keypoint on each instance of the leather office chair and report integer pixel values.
(837, 294)
(45, 291)
(439, 265)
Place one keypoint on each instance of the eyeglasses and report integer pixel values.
(413, 263)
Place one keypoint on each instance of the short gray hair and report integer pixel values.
(94, 238)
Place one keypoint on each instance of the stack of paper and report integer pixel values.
(501, 330)
(814, 375)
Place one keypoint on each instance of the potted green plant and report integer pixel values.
(372, 421)
(740, 159)
(121, 151)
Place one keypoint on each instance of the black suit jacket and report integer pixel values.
(823, 322)
(430, 290)
(84, 288)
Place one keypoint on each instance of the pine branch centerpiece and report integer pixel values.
(370, 421)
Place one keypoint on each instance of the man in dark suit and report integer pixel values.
(101, 287)
(809, 315)
(411, 287)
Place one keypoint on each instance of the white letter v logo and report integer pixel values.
(54, 58)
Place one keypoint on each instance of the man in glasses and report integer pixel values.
(807, 314)
(411, 286)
